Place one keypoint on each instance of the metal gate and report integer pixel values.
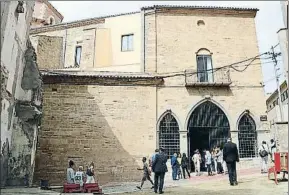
(210, 117)
(169, 135)
(247, 136)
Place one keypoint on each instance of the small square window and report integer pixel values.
(127, 42)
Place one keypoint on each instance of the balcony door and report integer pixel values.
(205, 68)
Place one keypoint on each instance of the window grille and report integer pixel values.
(169, 136)
(247, 136)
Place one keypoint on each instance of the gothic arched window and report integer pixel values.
(169, 136)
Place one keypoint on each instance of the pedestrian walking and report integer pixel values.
(174, 164)
(146, 174)
(197, 162)
(209, 162)
(264, 152)
(231, 156)
(184, 165)
(159, 168)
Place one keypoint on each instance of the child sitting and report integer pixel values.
(79, 176)
(70, 173)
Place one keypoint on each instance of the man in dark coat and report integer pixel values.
(159, 167)
(231, 156)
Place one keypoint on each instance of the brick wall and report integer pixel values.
(50, 52)
(114, 126)
(173, 38)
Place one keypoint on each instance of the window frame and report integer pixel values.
(75, 56)
(208, 71)
(132, 44)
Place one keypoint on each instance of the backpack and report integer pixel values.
(263, 153)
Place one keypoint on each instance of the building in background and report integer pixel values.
(45, 14)
(20, 95)
(117, 87)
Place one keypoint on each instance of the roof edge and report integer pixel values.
(198, 7)
(67, 24)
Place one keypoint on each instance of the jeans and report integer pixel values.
(175, 172)
(231, 166)
(159, 184)
(264, 164)
(209, 168)
(219, 167)
(185, 169)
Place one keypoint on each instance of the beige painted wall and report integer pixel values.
(122, 25)
(101, 44)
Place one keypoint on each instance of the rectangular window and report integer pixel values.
(286, 95)
(127, 42)
(78, 50)
(205, 68)
(282, 97)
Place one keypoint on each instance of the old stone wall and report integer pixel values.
(173, 38)
(20, 95)
(113, 126)
(49, 52)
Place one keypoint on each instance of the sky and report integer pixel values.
(268, 21)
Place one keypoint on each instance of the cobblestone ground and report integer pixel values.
(257, 185)
(251, 182)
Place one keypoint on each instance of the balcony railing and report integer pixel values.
(208, 78)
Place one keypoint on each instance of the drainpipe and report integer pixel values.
(94, 47)
(143, 41)
(64, 49)
(156, 42)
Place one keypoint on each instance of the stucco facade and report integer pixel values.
(92, 109)
(20, 95)
(100, 40)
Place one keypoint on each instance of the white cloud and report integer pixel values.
(268, 19)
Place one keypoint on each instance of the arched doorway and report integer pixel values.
(208, 127)
(169, 135)
(247, 136)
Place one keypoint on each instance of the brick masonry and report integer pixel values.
(115, 125)
(104, 124)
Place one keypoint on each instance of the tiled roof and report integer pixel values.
(98, 74)
(199, 7)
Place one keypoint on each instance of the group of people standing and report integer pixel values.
(265, 151)
(212, 161)
(180, 165)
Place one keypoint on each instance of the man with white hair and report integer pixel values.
(231, 156)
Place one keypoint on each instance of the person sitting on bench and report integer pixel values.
(70, 173)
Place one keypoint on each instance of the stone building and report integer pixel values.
(20, 94)
(117, 87)
(45, 14)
